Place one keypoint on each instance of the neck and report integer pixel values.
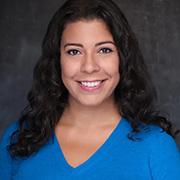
(92, 116)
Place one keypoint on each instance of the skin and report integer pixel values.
(88, 53)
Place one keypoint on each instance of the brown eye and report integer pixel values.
(105, 50)
(73, 52)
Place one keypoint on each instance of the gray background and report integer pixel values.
(22, 27)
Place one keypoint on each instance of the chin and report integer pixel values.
(92, 101)
(91, 104)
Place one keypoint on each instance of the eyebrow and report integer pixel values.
(97, 44)
(104, 42)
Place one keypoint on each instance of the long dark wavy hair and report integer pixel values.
(135, 94)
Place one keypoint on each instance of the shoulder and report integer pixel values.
(5, 138)
(163, 153)
(159, 138)
(149, 133)
(153, 140)
(161, 142)
(5, 158)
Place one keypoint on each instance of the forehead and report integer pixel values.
(86, 30)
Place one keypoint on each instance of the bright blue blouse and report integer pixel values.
(155, 156)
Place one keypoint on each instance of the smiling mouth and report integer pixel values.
(91, 84)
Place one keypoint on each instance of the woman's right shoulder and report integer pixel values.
(5, 158)
(5, 138)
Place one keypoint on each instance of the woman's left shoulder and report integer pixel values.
(164, 154)
(156, 134)
(159, 138)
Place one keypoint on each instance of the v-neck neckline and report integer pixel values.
(94, 157)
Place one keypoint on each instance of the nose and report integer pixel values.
(89, 64)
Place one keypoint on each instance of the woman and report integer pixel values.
(90, 113)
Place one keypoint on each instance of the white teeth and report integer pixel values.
(90, 84)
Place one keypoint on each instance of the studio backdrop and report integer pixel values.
(23, 24)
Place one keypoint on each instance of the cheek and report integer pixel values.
(115, 65)
(112, 66)
(65, 72)
(68, 69)
(113, 69)
(64, 69)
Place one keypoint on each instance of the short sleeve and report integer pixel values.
(164, 159)
(5, 158)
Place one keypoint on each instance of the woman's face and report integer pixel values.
(89, 62)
